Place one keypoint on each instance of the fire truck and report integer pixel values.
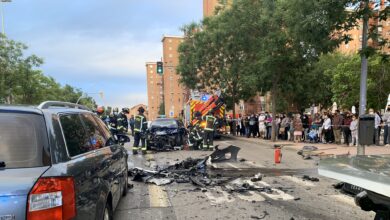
(204, 105)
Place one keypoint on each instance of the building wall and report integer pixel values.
(155, 90)
(210, 5)
(175, 95)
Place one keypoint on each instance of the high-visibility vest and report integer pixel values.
(138, 123)
(210, 121)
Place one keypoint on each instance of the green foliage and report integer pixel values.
(346, 81)
(162, 109)
(21, 82)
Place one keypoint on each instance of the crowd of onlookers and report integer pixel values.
(325, 127)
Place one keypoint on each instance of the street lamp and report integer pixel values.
(85, 95)
(2, 14)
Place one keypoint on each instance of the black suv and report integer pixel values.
(59, 161)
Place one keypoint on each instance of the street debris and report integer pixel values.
(265, 214)
(313, 179)
(257, 177)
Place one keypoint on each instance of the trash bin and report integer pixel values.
(366, 129)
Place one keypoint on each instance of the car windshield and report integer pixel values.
(22, 140)
(164, 123)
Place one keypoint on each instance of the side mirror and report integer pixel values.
(122, 138)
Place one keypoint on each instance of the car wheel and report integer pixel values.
(126, 183)
(107, 212)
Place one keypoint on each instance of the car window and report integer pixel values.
(76, 138)
(22, 140)
(103, 127)
(96, 135)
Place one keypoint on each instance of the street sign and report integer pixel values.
(160, 68)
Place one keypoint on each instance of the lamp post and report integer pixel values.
(85, 95)
(2, 14)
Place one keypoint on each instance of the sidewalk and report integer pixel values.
(328, 149)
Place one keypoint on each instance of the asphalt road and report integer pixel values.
(292, 197)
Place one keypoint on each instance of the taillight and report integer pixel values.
(52, 198)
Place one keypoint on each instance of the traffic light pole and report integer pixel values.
(363, 75)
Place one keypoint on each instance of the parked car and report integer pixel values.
(59, 161)
(165, 134)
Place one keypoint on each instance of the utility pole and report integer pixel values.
(2, 15)
(364, 67)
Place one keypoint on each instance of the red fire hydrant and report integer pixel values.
(278, 155)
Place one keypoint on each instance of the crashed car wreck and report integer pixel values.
(202, 173)
(165, 134)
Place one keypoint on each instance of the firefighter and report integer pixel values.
(208, 136)
(140, 127)
(194, 137)
(122, 121)
(113, 121)
(100, 111)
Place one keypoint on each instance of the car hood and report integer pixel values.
(163, 129)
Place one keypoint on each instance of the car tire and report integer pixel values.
(107, 215)
(126, 183)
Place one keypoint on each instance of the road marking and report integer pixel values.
(158, 197)
(234, 166)
(344, 198)
(251, 197)
(298, 180)
(277, 194)
(254, 164)
(214, 200)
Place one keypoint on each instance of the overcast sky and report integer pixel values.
(99, 45)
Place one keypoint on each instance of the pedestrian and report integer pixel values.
(131, 123)
(386, 121)
(252, 125)
(140, 127)
(298, 128)
(327, 128)
(377, 128)
(262, 127)
(337, 123)
(278, 121)
(238, 127)
(268, 125)
(318, 121)
(354, 130)
(242, 131)
(346, 130)
(305, 125)
(284, 127)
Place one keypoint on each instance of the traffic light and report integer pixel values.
(160, 69)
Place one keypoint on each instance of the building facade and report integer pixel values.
(155, 86)
(175, 94)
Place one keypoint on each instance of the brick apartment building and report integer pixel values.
(155, 88)
(175, 94)
(356, 34)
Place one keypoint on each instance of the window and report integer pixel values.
(23, 140)
(94, 133)
(76, 138)
(104, 129)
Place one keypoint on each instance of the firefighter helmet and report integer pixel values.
(100, 110)
(141, 109)
(126, 110)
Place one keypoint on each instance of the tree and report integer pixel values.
(21, 81)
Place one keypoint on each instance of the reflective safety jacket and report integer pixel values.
(210, 122)
(140, 123)
(122, 124)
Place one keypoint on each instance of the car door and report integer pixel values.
(108, 159)
(81, 164)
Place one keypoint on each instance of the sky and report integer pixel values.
(98, 45)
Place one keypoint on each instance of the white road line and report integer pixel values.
(214, 200)
(298, 180)
(343, 198)
(254, 164)
(234, 166)
(251, 197)
(277, 194)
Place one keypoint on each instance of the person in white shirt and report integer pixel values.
(327, 128)
(354, 130)
(377, 127)
(262, 127)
